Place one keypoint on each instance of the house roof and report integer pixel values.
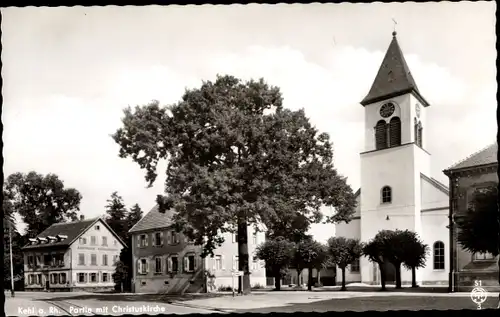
(73, 230)
(485, 156)
(437, 184)
(70, 229)
(393, 78)
(154, 219)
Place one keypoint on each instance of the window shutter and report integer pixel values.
(195, 259)
(380, 135)
(250, 263)
(147, 239)
(147, 266)
(234, 263)
(169, 265)
(169, 237)
(223, 262)
(186, 264)
(139, 266)
(85, 277)
(214, 263)
(161, 238)
(138, 241)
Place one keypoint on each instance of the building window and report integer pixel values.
(105, 277)
(235, 238)
(31, 260)
(142, 241)
(386, 194)
(81, 278)
(115, 259)
(93, 259)
(115, 242)
(483, 256)
(419, 134)
(54, 278)
(175, 237)
(218, 262)
(189, 263)
(173, 264)
(105, 259)
(355, 266)
(97, 227)
(381, 135)
(395, 131)
(158, 265)
(82, 241)
(39, 279)
(81, 259)
(158, 238)
(255, 238)
(143, 266)
(46, 259)
(93, 277)
(236, 263)
(30, 279)
(438, 255)
(255, 264)
(93, 240)
(62, 278)
(105, 241)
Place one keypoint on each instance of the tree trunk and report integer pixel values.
(309, 279)
(397, 267)
(319, 277)
(277, 280)
(244, 282)
(298, 276)
(414, 277)
(382, 274)
(343, 288)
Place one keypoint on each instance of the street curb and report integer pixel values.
(201, 307)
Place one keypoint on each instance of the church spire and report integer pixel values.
(393, 78)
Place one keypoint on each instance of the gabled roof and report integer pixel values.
(154, 219)
(72, 231)
(437, 184)
(393, 78)
(485, 156)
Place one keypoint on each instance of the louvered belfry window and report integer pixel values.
(381, 135)
(419, 142)
(395, 132)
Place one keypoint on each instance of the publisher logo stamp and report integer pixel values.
(478, 294)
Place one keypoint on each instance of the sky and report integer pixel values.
(69, 73)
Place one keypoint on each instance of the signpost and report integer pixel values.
(233, 274)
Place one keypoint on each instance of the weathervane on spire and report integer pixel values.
(394, 31)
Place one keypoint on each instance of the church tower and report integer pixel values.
(394, 156)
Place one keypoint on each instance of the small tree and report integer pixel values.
(343, 252)
(373, 250)
(277, 254)
(310, 254)
(120, 276)
(416, 252)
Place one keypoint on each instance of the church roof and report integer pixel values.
(393, 78)
(485, 156)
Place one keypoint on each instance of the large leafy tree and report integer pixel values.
(343, 252)
(478, 228)
(277, 254)
(394, 250)
(293, 226)
(40, 200)
(235, 157)
(416, 253)
(310, 254)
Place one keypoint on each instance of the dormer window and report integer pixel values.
(42, 240)
(32, 241)
(61, 237)
(51, 239)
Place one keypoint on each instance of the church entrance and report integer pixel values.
(390, 273)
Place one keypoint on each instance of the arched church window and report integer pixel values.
(420, 134)
(438, 258)
(395, 131)
(381, 135)
(386, 194)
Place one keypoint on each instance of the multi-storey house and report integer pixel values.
(72, 256)
(167, 262)
(469, 177)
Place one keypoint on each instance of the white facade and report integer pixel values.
(418, 202)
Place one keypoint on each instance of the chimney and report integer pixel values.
(82, 217)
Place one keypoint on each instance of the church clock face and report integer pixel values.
(417, 110)
(387, 110)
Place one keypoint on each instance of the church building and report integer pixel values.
(397, 190)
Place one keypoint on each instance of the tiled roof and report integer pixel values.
(487, 155)
(153, 220)
(393, 78)
(70, 229)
